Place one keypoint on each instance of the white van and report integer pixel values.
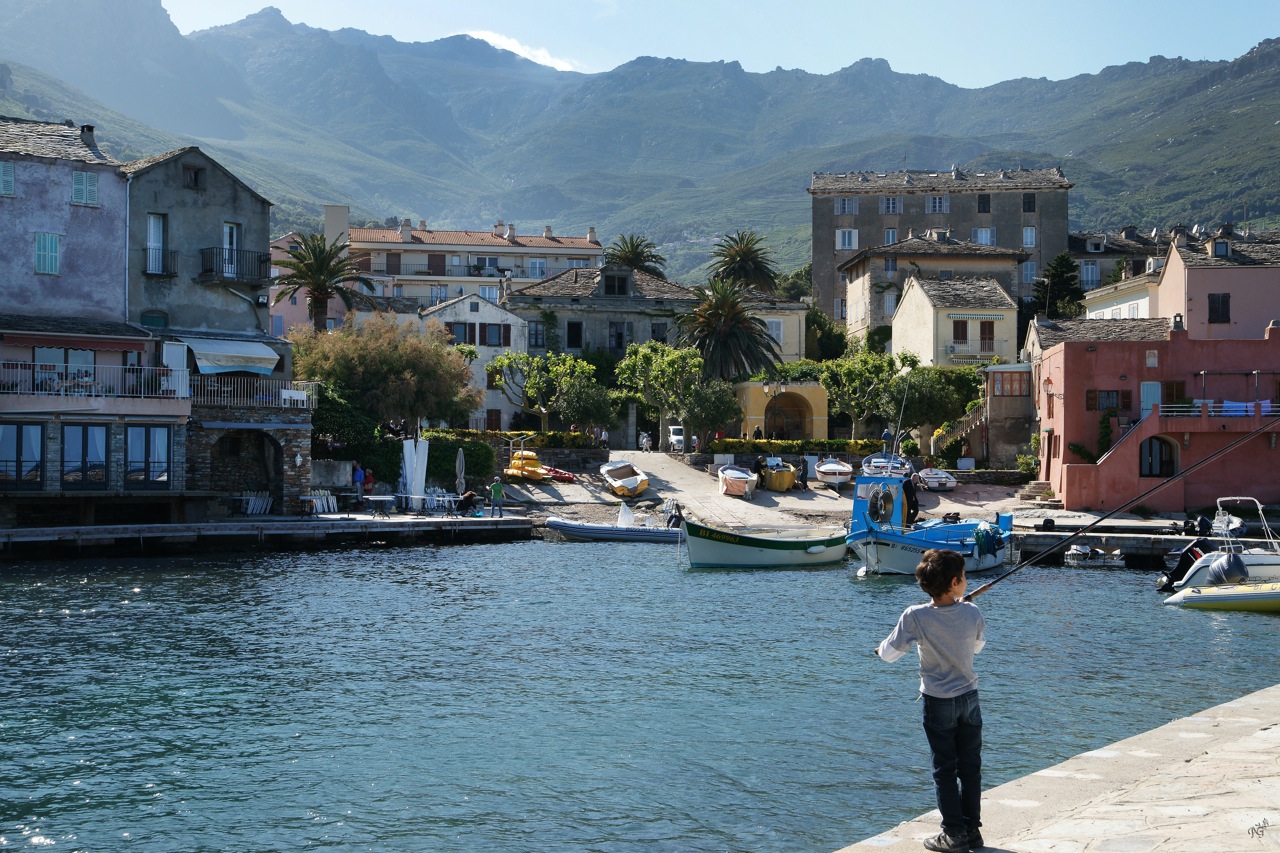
(675, 438)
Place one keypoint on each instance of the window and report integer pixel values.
(619, 336)
(573, 334)
(615, 284)
(293, 300)
(984, 236)
(537, 333)
(842, 309)
(491, 379)
(492, 335)
(1155, 459)
(1133, 310)
(155, 244)
(1220, 308)
(397, 290)
(192, 178)
(277, 325)
(890, 236)
(1173, 390)
(960, 331)
(984, 202)
(987, 336)
(1115, 313)
(1011, 384)
(84, 456)
(1220, 248)
(485, 265)
(537, 267)
(891, 265)
(147, 457)
(890, 303)
(1028, 202)
(330, 324)
(1029, 270)
(578, 263)
(775, 330)
(1095, 245)
(658, 331)
(846, 239)
(1090, 275)
(1104, 400)
(946, 275)
(437, 293)
(846, 206)
(458, 331)
(493, 420)
(155, 319)
(890, 204)
(6, 179)
(48, 253)
(938, 204)
(1029, 236)
(21, 456)
(490, 292)
(84, 188)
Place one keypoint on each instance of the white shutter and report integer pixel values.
(882, 205)
(946, 203)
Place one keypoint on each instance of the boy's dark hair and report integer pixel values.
(938, 568)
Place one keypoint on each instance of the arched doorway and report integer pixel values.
(789, 417)
(1157, 457)
(247, 460)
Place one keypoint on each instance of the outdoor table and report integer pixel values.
(309, 503)
(380, 505)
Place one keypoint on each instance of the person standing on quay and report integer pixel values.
(495, 498)
(948, 632)
(357, 477)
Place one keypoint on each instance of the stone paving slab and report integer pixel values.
(1208, 783)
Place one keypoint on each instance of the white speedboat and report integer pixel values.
(884, 464)
(937, 480)
(736, 480)
(882, 538)
(763, 547)
(833, 472)
(623, 478)
(1261, 557)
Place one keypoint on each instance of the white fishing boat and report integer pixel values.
(623, 478)
(885, 464)
(626, 529)
(833, 472)
(763, 547)
(883, 539)
(937, 480)
(1260, 556)
(736, 480)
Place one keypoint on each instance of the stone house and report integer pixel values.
(1024, 209)
(955, 321)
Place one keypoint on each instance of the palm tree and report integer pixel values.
(636, 252)
(732, 342)
(324, 271)
(743, 258)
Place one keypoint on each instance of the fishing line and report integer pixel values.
(1151, 491)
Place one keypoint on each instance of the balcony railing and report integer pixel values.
(58, 380)
(1219, 408)
(405, 270)
(235, 264)
(252, 392)
(979, 348)
(161, 262)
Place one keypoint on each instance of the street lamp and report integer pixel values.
(1048, 388)
(772, 390)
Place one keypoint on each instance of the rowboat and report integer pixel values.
(937, 480)
(624, 479)
(779, 476)
(883, 539)
(763, 547)
(736, 480)
(624, 530)
(885, 463)
(833, 472)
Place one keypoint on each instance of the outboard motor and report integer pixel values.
(1227, 569)
(1186, 560)
(1204, 526)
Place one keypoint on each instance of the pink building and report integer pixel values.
(1225, 287)
(1146, 410)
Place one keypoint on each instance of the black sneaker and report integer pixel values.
(975, 840)
(944, 843)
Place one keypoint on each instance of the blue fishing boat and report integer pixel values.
(885, 538)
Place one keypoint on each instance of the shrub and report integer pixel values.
(1029, 464)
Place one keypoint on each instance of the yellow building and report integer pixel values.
(789, 411)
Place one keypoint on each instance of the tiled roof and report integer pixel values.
(485, 239)
(448, 303)
(1138, 244)
(937, 248)
(69, 326)
(43, 139)
(135, 166)
(1051, 332)
(968, 293)
(584, 281)
(912, 180)
(1258, 250)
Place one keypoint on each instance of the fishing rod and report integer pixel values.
(1151, 491)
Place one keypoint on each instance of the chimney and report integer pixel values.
(86, 136)
(497, 228)
(1227, 229)
(1178, 236)
(406, 231)
(422, 225)
(1273, 326)
(546, 232)
(1177, 324)
(591, 235)
(510, 236)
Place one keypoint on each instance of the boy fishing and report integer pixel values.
(948, 632)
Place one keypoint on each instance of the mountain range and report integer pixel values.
(460, 133)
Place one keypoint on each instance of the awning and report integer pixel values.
(220, 356)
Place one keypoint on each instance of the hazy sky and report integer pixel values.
(969, 44)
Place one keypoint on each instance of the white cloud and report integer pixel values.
(535, 54)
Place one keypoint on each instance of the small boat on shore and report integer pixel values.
(885, 464)
(624, 530)
(833, 472)
(937, 480)
(623, 478)
(525, 465)
(762, 547)
(779, 476)
(738, 481)
(882, 537)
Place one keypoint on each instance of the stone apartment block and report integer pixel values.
(1024, 209)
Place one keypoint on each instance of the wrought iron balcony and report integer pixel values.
(161, 263)
(235, 265)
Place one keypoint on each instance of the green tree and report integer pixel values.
(583, 401)
(796, 285)
(706, 407)
(743, 259)
(324, 271)
(658, 375)
(1058, 292)
(636, 252)
(926, 396)
(852, 381)
(532, 382)
(824, 338)
(388, 369)
(721, 328)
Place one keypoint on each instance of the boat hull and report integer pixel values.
(762, 548)
(585, 532)
(833, 472)
(632, 482)
(738, 482)
(780, 479)
(1251, 597)
(887, 553)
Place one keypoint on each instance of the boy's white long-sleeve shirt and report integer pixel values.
(947, 639)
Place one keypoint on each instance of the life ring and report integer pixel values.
(876, 503)
(886, 506)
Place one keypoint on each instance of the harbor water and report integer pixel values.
(542, 696)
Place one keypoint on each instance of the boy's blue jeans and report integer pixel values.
(954, 729)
